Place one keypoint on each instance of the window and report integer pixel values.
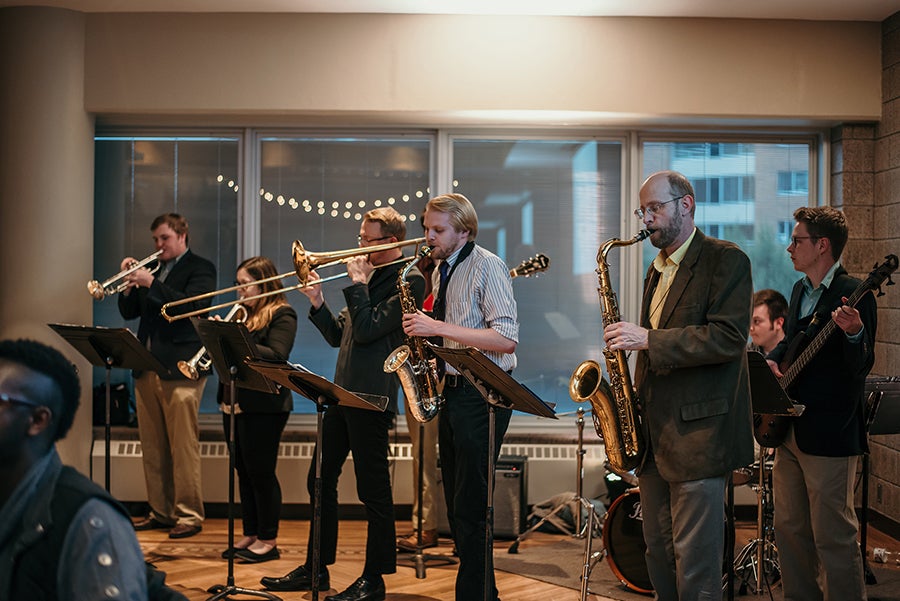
(793, 182)
(138, 178)
(316, 189)
(562, 198)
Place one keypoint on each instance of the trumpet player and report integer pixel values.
(367, 330)
(692, 383)
(168, 403)
(260, 417)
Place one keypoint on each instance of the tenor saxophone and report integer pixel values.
(418, 375)
(615, 412)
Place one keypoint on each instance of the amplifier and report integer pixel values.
(510, 508)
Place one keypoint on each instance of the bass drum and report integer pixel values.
(623, 538)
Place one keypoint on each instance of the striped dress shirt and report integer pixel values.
(480, 295)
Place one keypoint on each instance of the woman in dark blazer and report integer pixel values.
(260, 417)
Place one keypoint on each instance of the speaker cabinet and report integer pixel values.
(510, 486)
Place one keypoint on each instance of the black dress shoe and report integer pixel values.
(248, 556)
(361, 590)
(299, 579)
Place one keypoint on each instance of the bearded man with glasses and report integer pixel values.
(693, 387)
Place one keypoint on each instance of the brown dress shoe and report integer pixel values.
(184, 530)
(411, 542)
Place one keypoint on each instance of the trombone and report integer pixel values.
(113, 285)
(304, 262)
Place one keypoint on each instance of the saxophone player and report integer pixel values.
(692, 383)
(475, 307)
(367, 330)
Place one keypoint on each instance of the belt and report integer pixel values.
(454, 381)
(458, 380)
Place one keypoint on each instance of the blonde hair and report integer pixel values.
(462, 213)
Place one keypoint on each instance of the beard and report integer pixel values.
(665, 236)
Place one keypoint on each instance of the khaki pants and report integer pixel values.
(429, 472)
(816, 526)
(167, 413)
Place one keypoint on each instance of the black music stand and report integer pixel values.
(499, 390)
(108, 348)
(229, 344)
(881, 418)
(322, 392)
(767, 397)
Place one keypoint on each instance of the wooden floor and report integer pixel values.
(194, 564)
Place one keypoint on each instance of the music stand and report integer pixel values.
(108, 348)
(419, 559)
(767, 398)
(881, 418)
(228, 345)
(322, 392)
(498, 390)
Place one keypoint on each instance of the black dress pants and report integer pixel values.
(463, 443)
(366, 434)
(256, 440)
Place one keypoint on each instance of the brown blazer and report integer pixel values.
(692, 382)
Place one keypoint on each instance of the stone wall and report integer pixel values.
(866, 171)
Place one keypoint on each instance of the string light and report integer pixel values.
(336, 205)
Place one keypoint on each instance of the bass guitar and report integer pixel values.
(771, 430)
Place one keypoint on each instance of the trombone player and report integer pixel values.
(168, 403)
(367, 330)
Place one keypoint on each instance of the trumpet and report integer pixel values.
(304, 262)
(202, 361)
(117, 283)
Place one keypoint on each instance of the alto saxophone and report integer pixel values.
(615, 411)
(418, 375)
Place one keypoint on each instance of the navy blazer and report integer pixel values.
(693, 382)
(178, 340)
(832, 385)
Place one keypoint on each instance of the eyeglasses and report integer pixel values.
(5, 399)
(361, 239)
(794, 239)
(654, 207)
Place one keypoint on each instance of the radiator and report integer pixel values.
(552, 469)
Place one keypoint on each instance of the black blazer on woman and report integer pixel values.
(273, 342)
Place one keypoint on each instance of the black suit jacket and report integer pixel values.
(693, 381)
(833, 382)
(175, 341)
(367, 330)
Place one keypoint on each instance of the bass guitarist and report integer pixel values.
(813, 475)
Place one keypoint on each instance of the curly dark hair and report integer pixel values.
(46, 360)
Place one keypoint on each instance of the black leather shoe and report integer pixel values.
(299, 579)
(248, 556)
(150, 523)
(361, 590)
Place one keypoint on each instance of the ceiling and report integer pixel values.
(830, 10)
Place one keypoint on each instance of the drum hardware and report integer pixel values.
(757, 562)
(592, 526)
